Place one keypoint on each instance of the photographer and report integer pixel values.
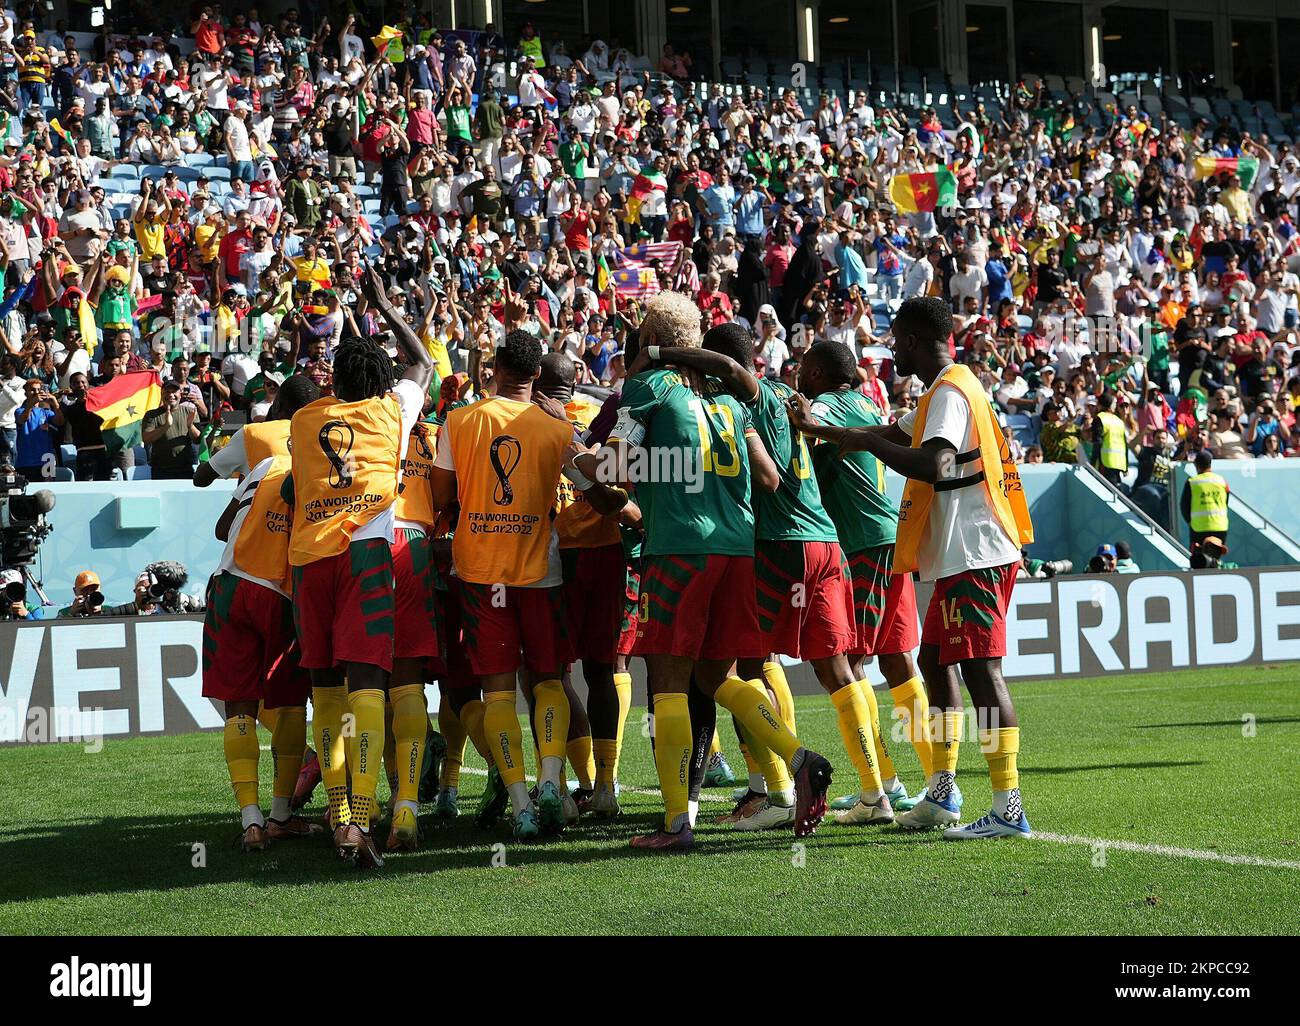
(13, 596)
(87, 599)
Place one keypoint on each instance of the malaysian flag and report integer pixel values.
(635, 281)
(666, 253)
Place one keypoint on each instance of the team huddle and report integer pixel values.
(369, 552)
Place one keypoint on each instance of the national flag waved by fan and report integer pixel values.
(1246, 168)
(385, 37)
(666, 253)
(647, 182)
(122, 403)
(921, 193)
(636, 281)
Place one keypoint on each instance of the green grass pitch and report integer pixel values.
(1204, 821)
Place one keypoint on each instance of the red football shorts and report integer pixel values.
(595, 581)
(415, 619)
(884, 604)
(343, 607)
(699, 607)
(967, 617)
(250, 653)
(805, 601)
(458, 673)
(631, 600)
(506, 628)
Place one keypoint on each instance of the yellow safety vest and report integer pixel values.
(533, 48)
(1209, 503)
(1000, 478)
(1114, 442)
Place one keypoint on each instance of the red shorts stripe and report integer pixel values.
(250, 653)
(715, 616)
(967, 617)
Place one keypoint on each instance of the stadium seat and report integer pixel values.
(64, 474)
(124, 171)
(139, 473)
(199, 159)
(68, 453)
(215, 173)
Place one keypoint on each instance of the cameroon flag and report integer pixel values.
(914, 194)
(1207, 166)
(602, 275)
(122, 404)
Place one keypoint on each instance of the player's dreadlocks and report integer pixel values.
(362, 370)
(836, 361)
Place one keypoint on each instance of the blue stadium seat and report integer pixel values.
(215, 173)
(199, 159)
(124, 171)
(139, 473)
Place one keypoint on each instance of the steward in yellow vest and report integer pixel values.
(1204, 501)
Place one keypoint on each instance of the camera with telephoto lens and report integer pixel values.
(166, 579)
(22, 519)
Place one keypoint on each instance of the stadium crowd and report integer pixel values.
(216, 209)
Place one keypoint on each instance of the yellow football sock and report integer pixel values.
(551, 719)
(674, 743)
(749, 704)
(288, 741)
(748, 756)
(1000, 750)
(410, 727)
(582, 758)
(471, 715)
(605, 753)
(854, 718)
(504, 738)
(390, 749)
(715, 746)
(775, 773)
(947, 740)
(453, 731)
(266, 717)
(622, 688)
(241, 757)
(329, 706)
(774, 677)
(365, 748)
(910, 698)
(883, 762)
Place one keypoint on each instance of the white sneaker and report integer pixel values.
(603, 804)
(862, 814)
(767, 817)
(930, 814)
(987, 827)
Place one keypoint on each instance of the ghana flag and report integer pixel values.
(122, 404)
(1207, 166)
(913, 194)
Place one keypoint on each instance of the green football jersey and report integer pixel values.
(794, 511)
(853, 486)
(691, 472)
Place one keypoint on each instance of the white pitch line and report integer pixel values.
(1138, 848)
(1133, 847)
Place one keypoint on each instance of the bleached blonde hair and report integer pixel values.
(671, 319)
